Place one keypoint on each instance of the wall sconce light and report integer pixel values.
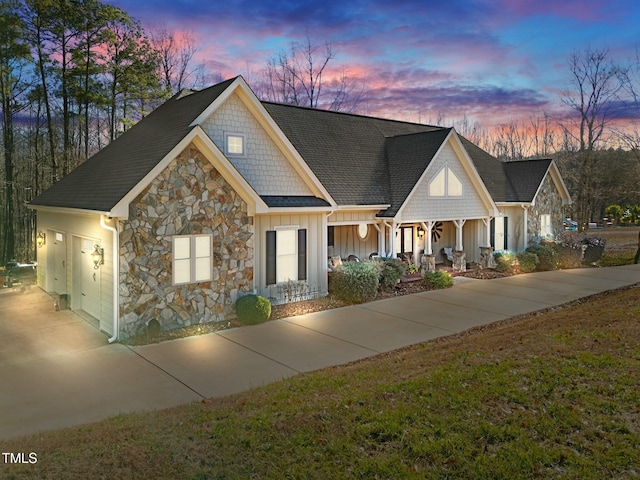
(41, 239)
(420, 232)
(97, 256)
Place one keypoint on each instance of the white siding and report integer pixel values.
(316, 226)
(79, 226)
(346, 239)
(422, 207)
(515, 233)
(263, 165)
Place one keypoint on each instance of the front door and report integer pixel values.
(58, 263)
(89, 277)
(406, 243)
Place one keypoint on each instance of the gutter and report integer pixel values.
(116, 276)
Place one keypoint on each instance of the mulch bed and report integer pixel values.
(403, 288)
(300, 308)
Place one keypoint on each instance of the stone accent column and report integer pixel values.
(486, 258)
(459, 261)
(428, 263)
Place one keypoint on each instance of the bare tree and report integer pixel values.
(596, 83)
(299, 77)
(176, 56)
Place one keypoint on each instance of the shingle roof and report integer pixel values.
(516, 181)
(525, 177)
(104, 179)
(359, 160)
(408, 156)
(294, 201)
(346, 152)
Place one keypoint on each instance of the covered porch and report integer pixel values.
(427, 243)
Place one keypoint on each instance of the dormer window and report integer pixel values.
(445, 184)
(235, 144)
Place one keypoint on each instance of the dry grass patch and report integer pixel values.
(547, 395)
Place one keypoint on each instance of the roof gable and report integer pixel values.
(408, 157)
(346, 152)
(109, 175)
(450, 160)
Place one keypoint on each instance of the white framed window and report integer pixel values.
(445, 183)
(191, 259)
(286, 255)
(234, 144)
(286, 249)
(545, 226)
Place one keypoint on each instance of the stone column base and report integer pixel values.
(486, 258)
(428, 263)
(459, 261)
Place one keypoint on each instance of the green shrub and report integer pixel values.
(511, 263)
(505, 262)
(527, 262)
(438, 279)
(253, 309)
(355, 282)
(547, 256)
(390, 272)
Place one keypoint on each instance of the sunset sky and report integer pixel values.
(491, 60)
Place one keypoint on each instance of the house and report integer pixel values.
(216, 194)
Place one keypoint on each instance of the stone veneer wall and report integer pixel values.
(190, 197)
(548, 201)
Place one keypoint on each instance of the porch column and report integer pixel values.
(393, 230)
(380, 239)
(428, 245)
(428, 261)
(459, 224)
(487, 224)
(459, 257)
(486, 251)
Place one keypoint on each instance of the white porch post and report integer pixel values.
(487, 224)
(428, 245)
(391, 245)
(380, 239)
(459, 224)
(395, 229)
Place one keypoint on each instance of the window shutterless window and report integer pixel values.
(191, 259)
(445, 183)
(545, 226)
(234, 144)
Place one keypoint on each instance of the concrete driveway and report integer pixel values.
(57, 370)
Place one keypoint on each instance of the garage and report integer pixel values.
(85, 297)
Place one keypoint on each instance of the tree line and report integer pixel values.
(75, 74)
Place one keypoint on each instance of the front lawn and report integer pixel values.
(547, 395)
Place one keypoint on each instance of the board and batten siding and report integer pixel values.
(316, 227)
(346, 239)
(263, 165)
(420, 206)
(76, 227)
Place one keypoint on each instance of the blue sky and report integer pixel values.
(490, 60)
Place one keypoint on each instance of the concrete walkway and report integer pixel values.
(56, 370)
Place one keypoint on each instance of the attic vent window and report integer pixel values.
(235, 144)
(445, 183)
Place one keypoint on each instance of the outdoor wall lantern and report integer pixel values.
(41, 239)
(420, 232)
(97, 256)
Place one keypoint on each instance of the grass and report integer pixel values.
(547, 395)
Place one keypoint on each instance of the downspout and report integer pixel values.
(525, 208)
(116, 275)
